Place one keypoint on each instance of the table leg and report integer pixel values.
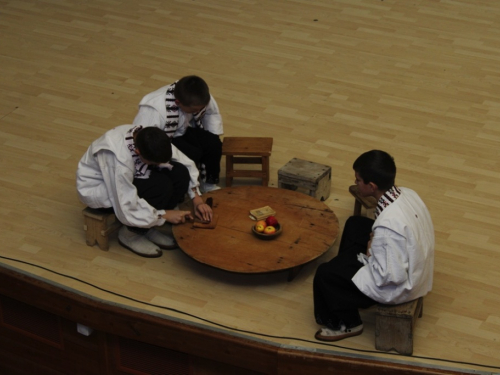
(265, 170)
(229, 170)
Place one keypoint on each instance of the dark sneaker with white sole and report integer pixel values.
(327, 334)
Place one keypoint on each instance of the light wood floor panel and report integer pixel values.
(328, 80)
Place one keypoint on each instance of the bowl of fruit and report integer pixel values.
(267, 229)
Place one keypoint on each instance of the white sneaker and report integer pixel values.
(138, 243)
(205, 187)
(161, 239)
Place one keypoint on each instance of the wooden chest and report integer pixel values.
(314, 178)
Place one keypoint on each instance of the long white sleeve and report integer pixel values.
(212, 121)
(180, 157)
(388, 262)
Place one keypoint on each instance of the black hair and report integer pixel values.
(154, 145)
(192, 91)
(378, 167)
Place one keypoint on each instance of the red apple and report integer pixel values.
(271, 221)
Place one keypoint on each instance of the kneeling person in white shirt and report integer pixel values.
(138, 174)
(190, 116)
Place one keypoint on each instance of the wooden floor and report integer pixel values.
(328, 80)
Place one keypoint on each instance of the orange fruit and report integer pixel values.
(269, 230)
(261, 222)
(259, 227)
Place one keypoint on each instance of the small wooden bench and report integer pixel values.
(98, 225)
(247, 150)
(315, 178)
(394, 326)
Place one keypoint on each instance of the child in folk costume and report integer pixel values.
(138, 174)
(388, 260)
(189, 115)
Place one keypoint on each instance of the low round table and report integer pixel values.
(310, 228)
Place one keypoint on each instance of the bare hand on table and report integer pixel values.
(204, 212)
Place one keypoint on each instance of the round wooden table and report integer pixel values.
(310, 228)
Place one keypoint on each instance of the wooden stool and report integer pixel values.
(98, 225)
(394, 326)
(366, 202)
(247, 150)
(316, 178)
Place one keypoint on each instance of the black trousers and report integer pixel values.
(336, 297)
(202, 147)
(164, 189)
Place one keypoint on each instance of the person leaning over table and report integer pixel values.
(190, 116)
(388, 260)
(137, 173)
